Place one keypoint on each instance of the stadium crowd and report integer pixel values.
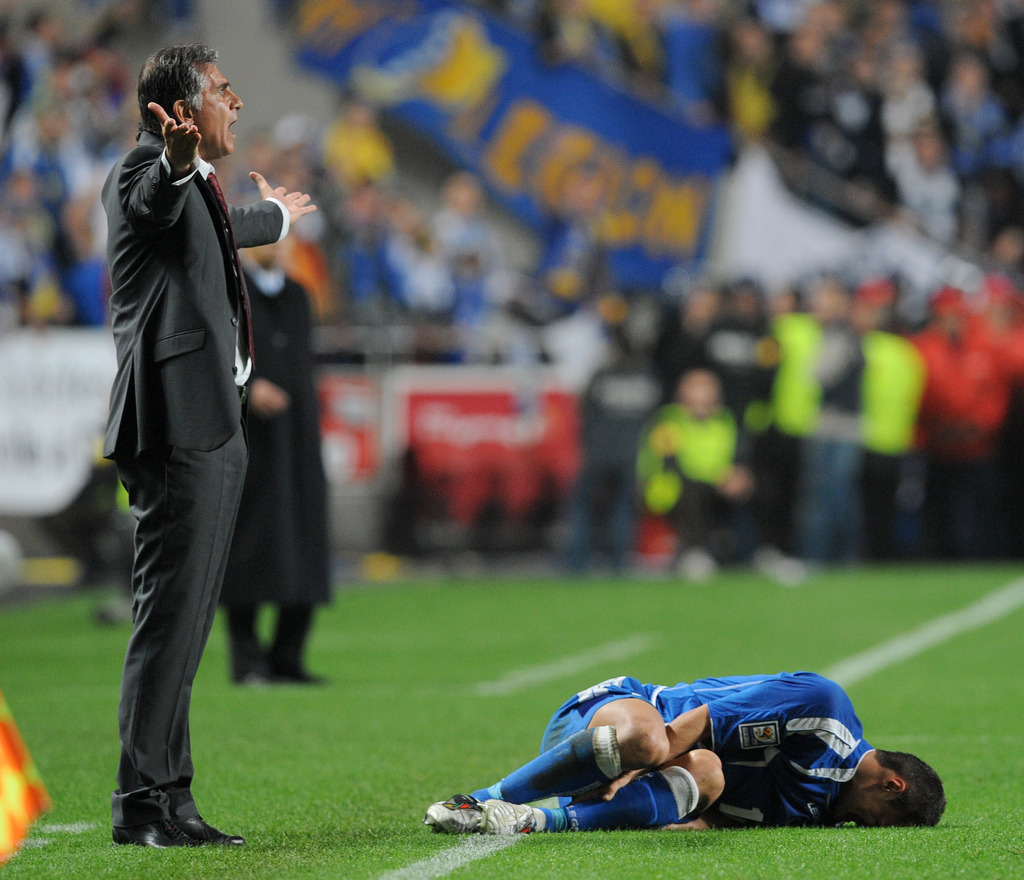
(913, 107)
(825, 427)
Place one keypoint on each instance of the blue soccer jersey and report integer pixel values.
(787, 741)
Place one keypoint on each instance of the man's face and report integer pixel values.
(868, 808)
(215, 118)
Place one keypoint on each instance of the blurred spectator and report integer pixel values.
(12, 78)
(473, 256)
(423, 283)
(310, 255)
(614, 409)
(795, 398)
(1006, 255)
(693, 63)
(280, 552)
(568, 32)
(573, 268)
(743, 352)
(689, 472)
(28, 267)
(84, 278)
(369, 282)
(908, 100)
(102, 106)
(848, 140)
(1004, 314)
(800, 88)
(889, 23)
(781, 16)
(355, 149)
(974, 114)
(829, 514)
(54, 152)
(927, 188)
(749, 71)
(682, 334)
(639, 40)
(894, 376)
(966, 399)
(43, 39)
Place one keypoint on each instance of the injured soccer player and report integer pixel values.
(758, 750)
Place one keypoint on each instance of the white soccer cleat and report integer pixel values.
(502, 817)
(460, 814)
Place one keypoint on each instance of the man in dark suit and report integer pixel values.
(177, 408)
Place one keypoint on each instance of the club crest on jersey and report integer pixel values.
(759, 734)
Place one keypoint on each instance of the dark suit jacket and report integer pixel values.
(174, 305)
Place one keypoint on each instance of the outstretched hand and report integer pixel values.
(296, 203)
(181, 139)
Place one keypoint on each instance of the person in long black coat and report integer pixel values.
(279, 555)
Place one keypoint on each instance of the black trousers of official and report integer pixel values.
(185, 503)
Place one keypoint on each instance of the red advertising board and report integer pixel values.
(483, 438)
(349, 427)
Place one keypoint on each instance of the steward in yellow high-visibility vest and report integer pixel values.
(679, 445)
(688, 473)
(796, 394)
(894, 375)
(795, 405)
(891, 392)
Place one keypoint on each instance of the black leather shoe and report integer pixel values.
(204, 834)
(160, 834)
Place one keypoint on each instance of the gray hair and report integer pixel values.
(172, 74)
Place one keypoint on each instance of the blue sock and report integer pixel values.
(658, 799)
(585, 761)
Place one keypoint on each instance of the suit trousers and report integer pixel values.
(185, 503)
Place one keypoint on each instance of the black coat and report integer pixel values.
(280, 552)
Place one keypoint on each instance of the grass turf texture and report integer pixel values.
(332, 782)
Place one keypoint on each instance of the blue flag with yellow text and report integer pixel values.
(480, 89)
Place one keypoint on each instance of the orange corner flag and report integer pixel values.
(23, 796)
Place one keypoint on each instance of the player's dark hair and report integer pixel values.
(172, 74)
(923, 801)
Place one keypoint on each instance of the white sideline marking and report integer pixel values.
(468, 850)
(520, 679)
(55, 828)
(70, 828)
(988, 610)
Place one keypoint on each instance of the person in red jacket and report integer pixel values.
(1003, 306)
(968, 387)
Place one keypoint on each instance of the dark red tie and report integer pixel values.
(219, 193)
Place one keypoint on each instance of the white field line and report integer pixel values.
(847, 672)
(55, 828)
(988, 610)
(70, 828)
(467, 851)
(530, 676)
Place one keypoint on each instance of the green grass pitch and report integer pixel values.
(332, 782)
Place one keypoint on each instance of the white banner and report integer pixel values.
(54, 389)
(766, 233)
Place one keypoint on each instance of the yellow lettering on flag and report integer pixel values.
(522, 126)
(23, 797)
